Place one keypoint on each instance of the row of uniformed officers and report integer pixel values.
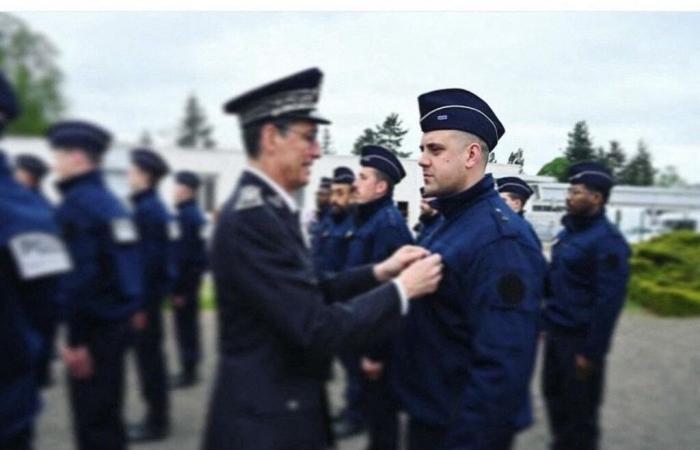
(444, 327)
(105, 271)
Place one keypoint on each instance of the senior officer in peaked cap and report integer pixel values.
(103, 291)
(276, 328)
(31, 257)
(191, 257)
(157, 231)
(586, 289)
(465, 356)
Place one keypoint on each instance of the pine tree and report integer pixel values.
(194, 130)
(580, 146)
(615, 159)
(639, 171)
(146, 139)
(389, 134)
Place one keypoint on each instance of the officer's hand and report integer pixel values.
(139, 321)
(584, 367)
(372, 369)
(79, 362)
(402, 258)
(178, 301)
(422, 277)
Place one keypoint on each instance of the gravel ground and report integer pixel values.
(652, 399)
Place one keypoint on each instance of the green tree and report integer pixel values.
(146, 140)
(669, 177)
(558, 168)
(580, 145)
(29, 60)
(639, 171)
(389, 134)
(194, 130)
(615, 158)
(327, 142)
(517, 157)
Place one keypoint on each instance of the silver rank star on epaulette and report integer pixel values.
(249, 197)
(502, 216)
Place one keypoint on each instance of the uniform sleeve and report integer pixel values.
(276, 282)
(501, 303)
(155, 245)
(611, 276)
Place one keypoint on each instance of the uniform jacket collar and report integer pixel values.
(186, 203)
(288, 199)
(92, 177)
(367, 210)
(452, 205)
(137, 197)
(574, 223)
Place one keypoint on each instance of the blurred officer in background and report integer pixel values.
(516, 192)
(331, 245)
(30, 172)
(586, 289)
(320, 221)
(157, 231)
(191, 259)
(465, 356)
(278, 321)
(31, 256)
(103, 291)
(380, 229)
(430, 218)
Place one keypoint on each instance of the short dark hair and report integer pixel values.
(514, 196)
(251, 134)
(604, 194)
(381, 176)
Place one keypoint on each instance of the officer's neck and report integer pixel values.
(274, 172)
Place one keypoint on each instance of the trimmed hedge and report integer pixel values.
(666, 274)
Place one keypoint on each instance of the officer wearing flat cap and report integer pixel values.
(31, 257)
(29, 172)
(380, 229)
(157, 231)
(586, 289)
(191, 259)
(465, 356)
(277, 323)
(103, 291)
(516, 192)
(321, 221)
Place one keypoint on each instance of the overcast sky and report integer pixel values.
(629, 75)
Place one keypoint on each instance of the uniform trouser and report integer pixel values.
(48, 335)
(422, 437)
(350, 360)
(152, 367)
(572, 401)
(97, 402)
(18, 441)
(187, 329)
(381, 414)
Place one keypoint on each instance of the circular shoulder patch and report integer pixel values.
(511, 289)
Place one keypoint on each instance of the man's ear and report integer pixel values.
(268, 139)
(472, 155)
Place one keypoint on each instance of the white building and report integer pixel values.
(639, 211)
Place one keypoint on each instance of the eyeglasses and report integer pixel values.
(311, 137)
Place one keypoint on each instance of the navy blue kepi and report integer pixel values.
(383, 160)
